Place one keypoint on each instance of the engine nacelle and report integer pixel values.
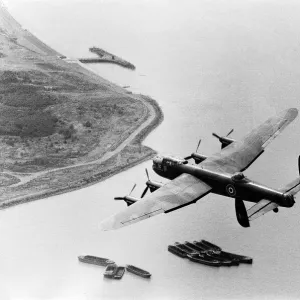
(225, 141)
(153, 185)
(130, 200)
(198, 158)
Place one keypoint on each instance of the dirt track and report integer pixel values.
(150, 112)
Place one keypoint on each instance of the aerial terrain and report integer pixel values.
(62, 127)
(212, 66)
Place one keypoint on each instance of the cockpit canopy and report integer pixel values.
(169, 161)
(172, 161)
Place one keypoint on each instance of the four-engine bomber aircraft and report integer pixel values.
(221, 174)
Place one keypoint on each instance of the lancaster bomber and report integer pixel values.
(221, 173)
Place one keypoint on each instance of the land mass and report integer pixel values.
(62, 127)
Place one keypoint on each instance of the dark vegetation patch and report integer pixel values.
(75, 81)
(23, 103)
(67, 131)
(8, 77)
(48, 120)
(27, 96)
(18, 89)
(26, 122)
(29, 76)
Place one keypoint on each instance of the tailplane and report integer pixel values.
(264, 206)
(293, 187)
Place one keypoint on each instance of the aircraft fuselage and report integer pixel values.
(225, 184)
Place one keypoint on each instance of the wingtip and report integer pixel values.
(289, 114)
(293, 111)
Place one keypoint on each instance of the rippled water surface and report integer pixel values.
(212, 66)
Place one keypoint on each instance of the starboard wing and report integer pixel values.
(239, 155)
(182, 191)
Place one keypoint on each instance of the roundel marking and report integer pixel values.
(230, 190)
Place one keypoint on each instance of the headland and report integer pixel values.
(62, 127)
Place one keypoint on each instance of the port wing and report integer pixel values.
(182, 191)
(239, 155)
(260, 208)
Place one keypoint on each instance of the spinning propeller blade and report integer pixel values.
(188, 157)
(191, 156)
(215, 135)
(230, 132)
(218, 137)
(198, 145)
(147, 186)
(225, 140)
(145, 191)
(132, 188)
(123, 198)
(299, 164)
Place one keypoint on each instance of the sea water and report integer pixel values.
(212, 66)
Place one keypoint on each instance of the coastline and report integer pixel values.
(97, 169)
(101, 176)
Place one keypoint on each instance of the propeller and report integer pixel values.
(132, 188)
(215, 135)
(148, 174)
(230, 132)
(147, 186)
(225, 141)
(299, 164)
(123, 198)
(191, 156)
(219, 137)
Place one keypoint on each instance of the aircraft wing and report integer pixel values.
(260, 208)
(264, 206)
(183, 190)
(239, 155)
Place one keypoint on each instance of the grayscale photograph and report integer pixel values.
(150, 149)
